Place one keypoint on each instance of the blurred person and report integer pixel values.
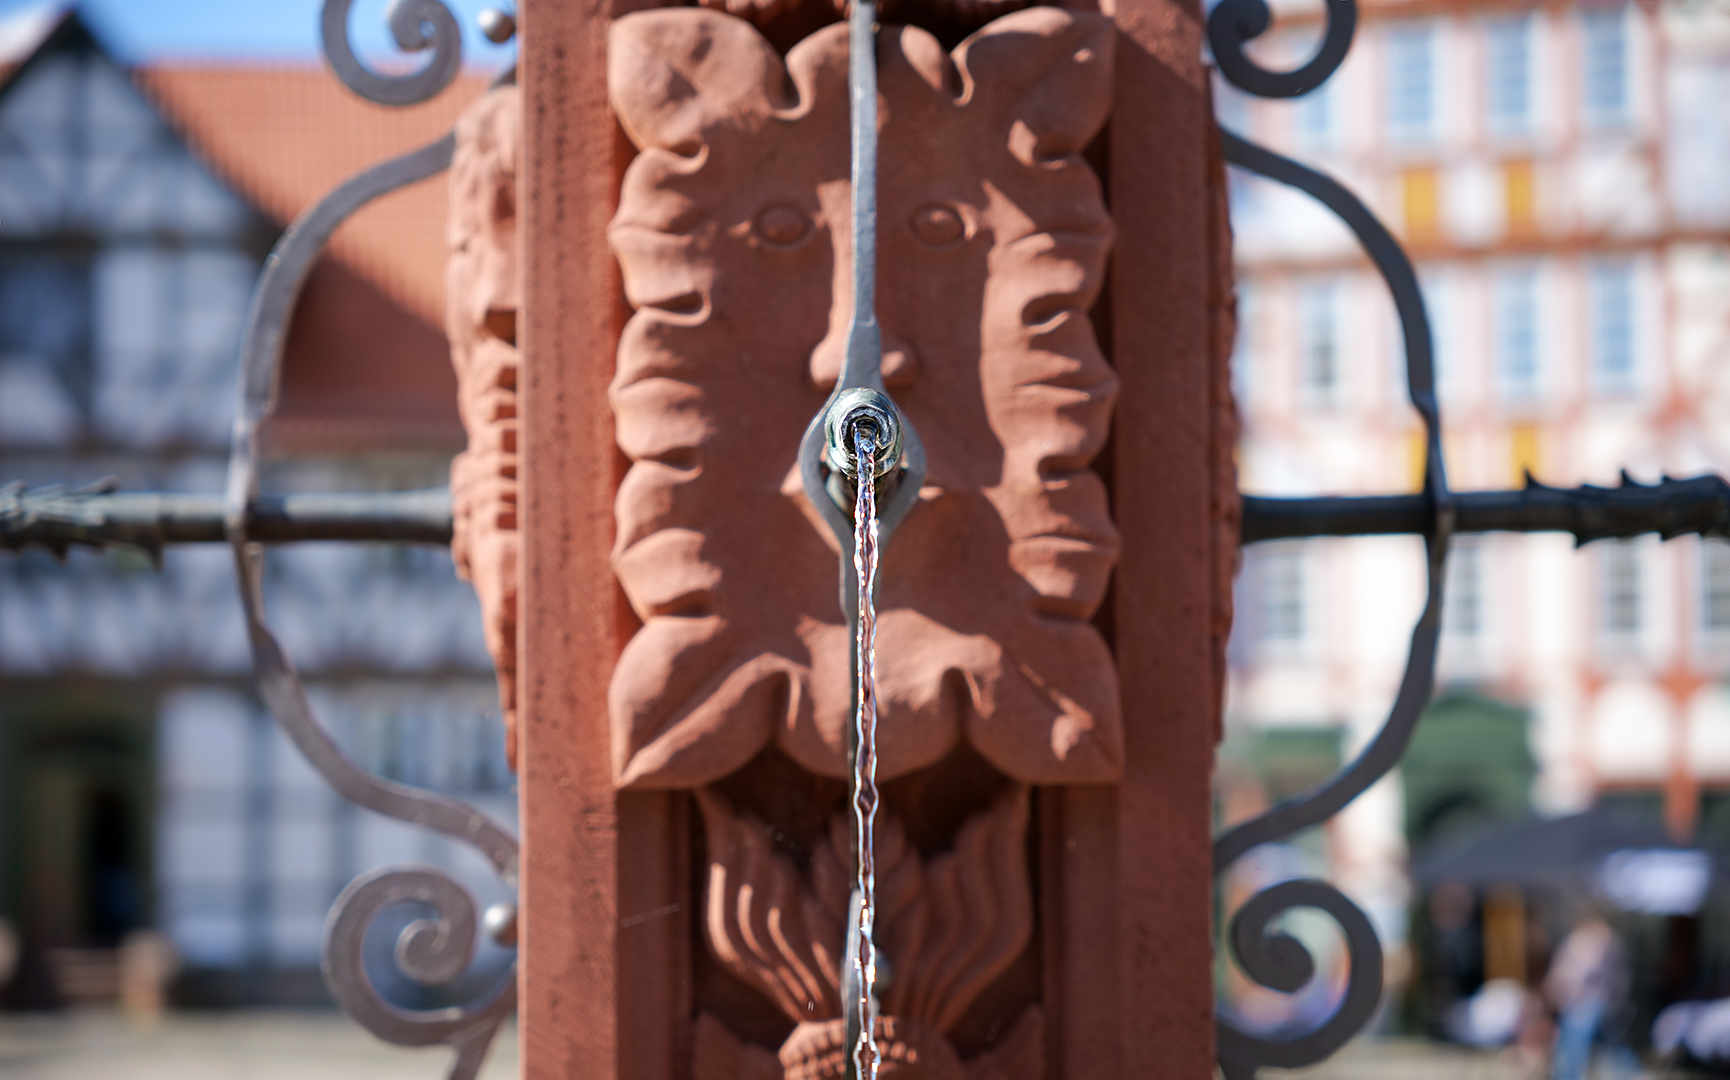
(1536, 1040)
(148, 963)
(1585, 975)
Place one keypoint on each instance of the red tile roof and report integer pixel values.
(367, 361)
(285, 136)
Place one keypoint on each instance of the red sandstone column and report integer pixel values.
(1164, 501)
(1126, 888)
(604, 934)
(1129, 964)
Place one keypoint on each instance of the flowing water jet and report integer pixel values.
(864, 959)
(864, 442)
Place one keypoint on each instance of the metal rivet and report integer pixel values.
(500, 921)
(498, 25)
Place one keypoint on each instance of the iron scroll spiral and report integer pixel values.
(417, 25)
(1234, 22)
(431, 952)
(1280, 961)
(1274, 959)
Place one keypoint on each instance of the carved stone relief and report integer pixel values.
(482, 295)
(947, 927)
(732, 235)
(786, 21)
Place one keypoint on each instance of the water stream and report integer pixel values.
(864, 960)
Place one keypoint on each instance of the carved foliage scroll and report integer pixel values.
(482, 295)
(948, 925)
(732, 235)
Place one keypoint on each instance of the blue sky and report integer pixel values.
(140, 30)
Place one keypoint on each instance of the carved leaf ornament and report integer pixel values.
(483, 293)
(947, 927)
(732, 236)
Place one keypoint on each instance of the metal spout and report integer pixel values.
(858, 413)
(862, 411)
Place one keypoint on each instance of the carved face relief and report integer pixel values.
(732, 235)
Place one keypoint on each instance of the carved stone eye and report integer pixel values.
(782, 225)
(938, 226)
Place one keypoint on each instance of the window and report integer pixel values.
(1283, 616)
(1315, 117)
(168, 323)
(1508, 65)
(1696, 166)
(1463, 608)
(427, 744)
(1319, 343)
(1516, 327)
(1411, 83)
(1611, 311)
(1715, 587)
(1244, 195)
(44, 347)
(1230, 106)
(1604, 65)
(1619, 591)
(1242, 348)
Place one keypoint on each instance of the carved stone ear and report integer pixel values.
(675, 73)
(1045, 75)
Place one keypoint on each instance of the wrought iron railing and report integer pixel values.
(430, 952)
(435, 952)
(1275, 959)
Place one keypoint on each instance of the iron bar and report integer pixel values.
(98, 516)
(1669, 508)
(59, 518)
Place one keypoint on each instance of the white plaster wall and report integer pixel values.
(1632, 733)
(242, 816)
(1708, 744)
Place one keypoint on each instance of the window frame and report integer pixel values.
(1624, 380)
(1320, 295)
(1403, 44)
(1592, 22)
(1616, 594)
(1525, 24)
(1284, 615)
(1713, 634)
(1525, 387)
